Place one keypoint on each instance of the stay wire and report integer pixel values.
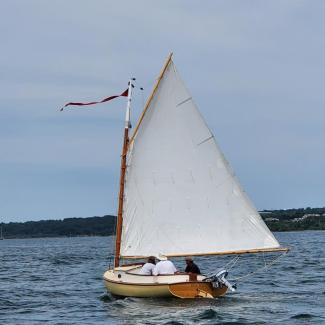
(228, 266)
(231, 263)
(266, 266)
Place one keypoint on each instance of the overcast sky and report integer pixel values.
(255, 69)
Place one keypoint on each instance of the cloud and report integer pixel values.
(255, 69)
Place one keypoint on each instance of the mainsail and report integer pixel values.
(181, 196)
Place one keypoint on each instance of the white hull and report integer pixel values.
(124, 281)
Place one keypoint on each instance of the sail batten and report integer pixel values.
(181, 196)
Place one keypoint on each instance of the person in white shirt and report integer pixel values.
(164, 266)
(148, 267)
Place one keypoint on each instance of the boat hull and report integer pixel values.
(123, 282)
(197, 289)
(137, 290)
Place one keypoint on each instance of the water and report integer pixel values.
(59, 281)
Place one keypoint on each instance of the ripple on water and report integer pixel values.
(208, 314)
(314, 280)
(289, 268)
(302, 316)
(236, 323)
(106, 298)
(59, 281)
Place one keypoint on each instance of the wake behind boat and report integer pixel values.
(178, 197)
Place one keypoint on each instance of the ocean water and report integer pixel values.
(59, 281)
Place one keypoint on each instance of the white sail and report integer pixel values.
(181, 196)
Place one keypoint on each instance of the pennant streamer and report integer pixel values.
(124, 94)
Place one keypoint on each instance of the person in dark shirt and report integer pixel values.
(191, 267)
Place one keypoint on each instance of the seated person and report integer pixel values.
(164, 266)
(191, 267)
(148, 267)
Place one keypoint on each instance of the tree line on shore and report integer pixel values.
(277, 220)
(295, 219)
(93, 226)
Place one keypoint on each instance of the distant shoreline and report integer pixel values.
(277, 220)
(294, 219)
(69, 227)
(82, 236)
(57, 237)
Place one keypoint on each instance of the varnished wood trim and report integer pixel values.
(121, 198)
(248, 251)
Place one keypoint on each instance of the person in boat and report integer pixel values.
(148, 267)
(164, 266)
(191, 267)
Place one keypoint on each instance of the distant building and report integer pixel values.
(271, 219)
(306, 216)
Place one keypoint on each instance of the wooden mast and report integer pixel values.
(122, 178)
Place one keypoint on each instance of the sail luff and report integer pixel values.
(161, 74)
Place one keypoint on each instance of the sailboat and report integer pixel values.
(178, 196)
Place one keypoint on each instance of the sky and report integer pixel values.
(256, 70)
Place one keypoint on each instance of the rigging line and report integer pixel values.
(258, 270)
(231, 262)
(150, 82)
(145, 86)
(234, 261)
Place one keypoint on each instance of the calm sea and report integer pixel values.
(59, 281)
